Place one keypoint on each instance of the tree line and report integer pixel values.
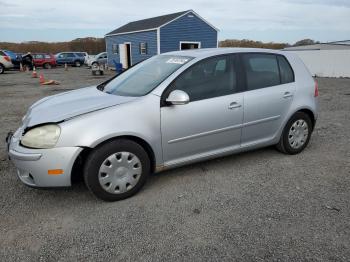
(90, 45)
(259, 44)
(93, 45)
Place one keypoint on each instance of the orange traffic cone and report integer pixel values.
(41, 79)
(34, 74)
(65, 67)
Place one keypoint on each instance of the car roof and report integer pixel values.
(207, 52)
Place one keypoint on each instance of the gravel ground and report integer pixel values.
(255, 206)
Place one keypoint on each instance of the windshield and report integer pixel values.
(10, 53)
(144, 77)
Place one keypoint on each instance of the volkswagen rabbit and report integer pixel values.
(170, 110)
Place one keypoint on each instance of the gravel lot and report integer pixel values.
(260, 205)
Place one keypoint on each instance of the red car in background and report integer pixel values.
(44, 60)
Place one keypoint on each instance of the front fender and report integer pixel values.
(140, 118)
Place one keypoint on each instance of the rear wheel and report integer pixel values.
(116, 170)
(296, 134)
(2, 69)
(47, 66)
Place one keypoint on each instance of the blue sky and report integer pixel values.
(269, 20)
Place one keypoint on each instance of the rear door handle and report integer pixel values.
(287, 94)
(234, 105)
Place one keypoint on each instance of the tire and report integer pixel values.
(116, 170)
(296, 134)
(47, 66)
(77, 63)
(94, 64)
(2, 69)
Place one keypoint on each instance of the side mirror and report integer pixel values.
(178, 97)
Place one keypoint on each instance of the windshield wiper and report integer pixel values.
(101, 87)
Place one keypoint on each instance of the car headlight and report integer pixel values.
(42, 136)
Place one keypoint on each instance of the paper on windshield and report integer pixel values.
(177, 60)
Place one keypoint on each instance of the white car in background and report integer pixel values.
(5, 62)
(100, 59)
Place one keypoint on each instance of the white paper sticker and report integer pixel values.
(180, 61)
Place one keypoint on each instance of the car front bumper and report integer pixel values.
(33, 165)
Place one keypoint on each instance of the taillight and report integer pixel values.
(7, 58)
(316, 89)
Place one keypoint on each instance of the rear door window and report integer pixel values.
(261, 70)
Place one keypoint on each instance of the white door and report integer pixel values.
(123, 54)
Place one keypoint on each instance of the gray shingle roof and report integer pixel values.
(145, 24)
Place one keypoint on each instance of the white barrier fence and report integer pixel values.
(326, 63)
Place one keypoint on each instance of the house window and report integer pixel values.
(115, 48)
(143, 48)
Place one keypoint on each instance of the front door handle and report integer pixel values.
(287, 94)
(234, 105)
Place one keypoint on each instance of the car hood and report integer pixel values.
(66, 105)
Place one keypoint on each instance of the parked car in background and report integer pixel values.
(5, 62)
(46, 61)
(16, 59)
(170, 110)
(83, 54)
(100, 59)
(70, 58)
(88, 58)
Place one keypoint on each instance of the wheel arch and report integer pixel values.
(305, 110)
(76, 173)
(308, 112)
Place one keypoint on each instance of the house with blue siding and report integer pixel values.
(139, 40)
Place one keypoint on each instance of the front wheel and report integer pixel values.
(2, 69)
(296, 134)
(116, 170)
(77, 63)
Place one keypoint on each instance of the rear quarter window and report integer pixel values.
(286, 71)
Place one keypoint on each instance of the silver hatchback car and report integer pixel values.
(170, 110)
